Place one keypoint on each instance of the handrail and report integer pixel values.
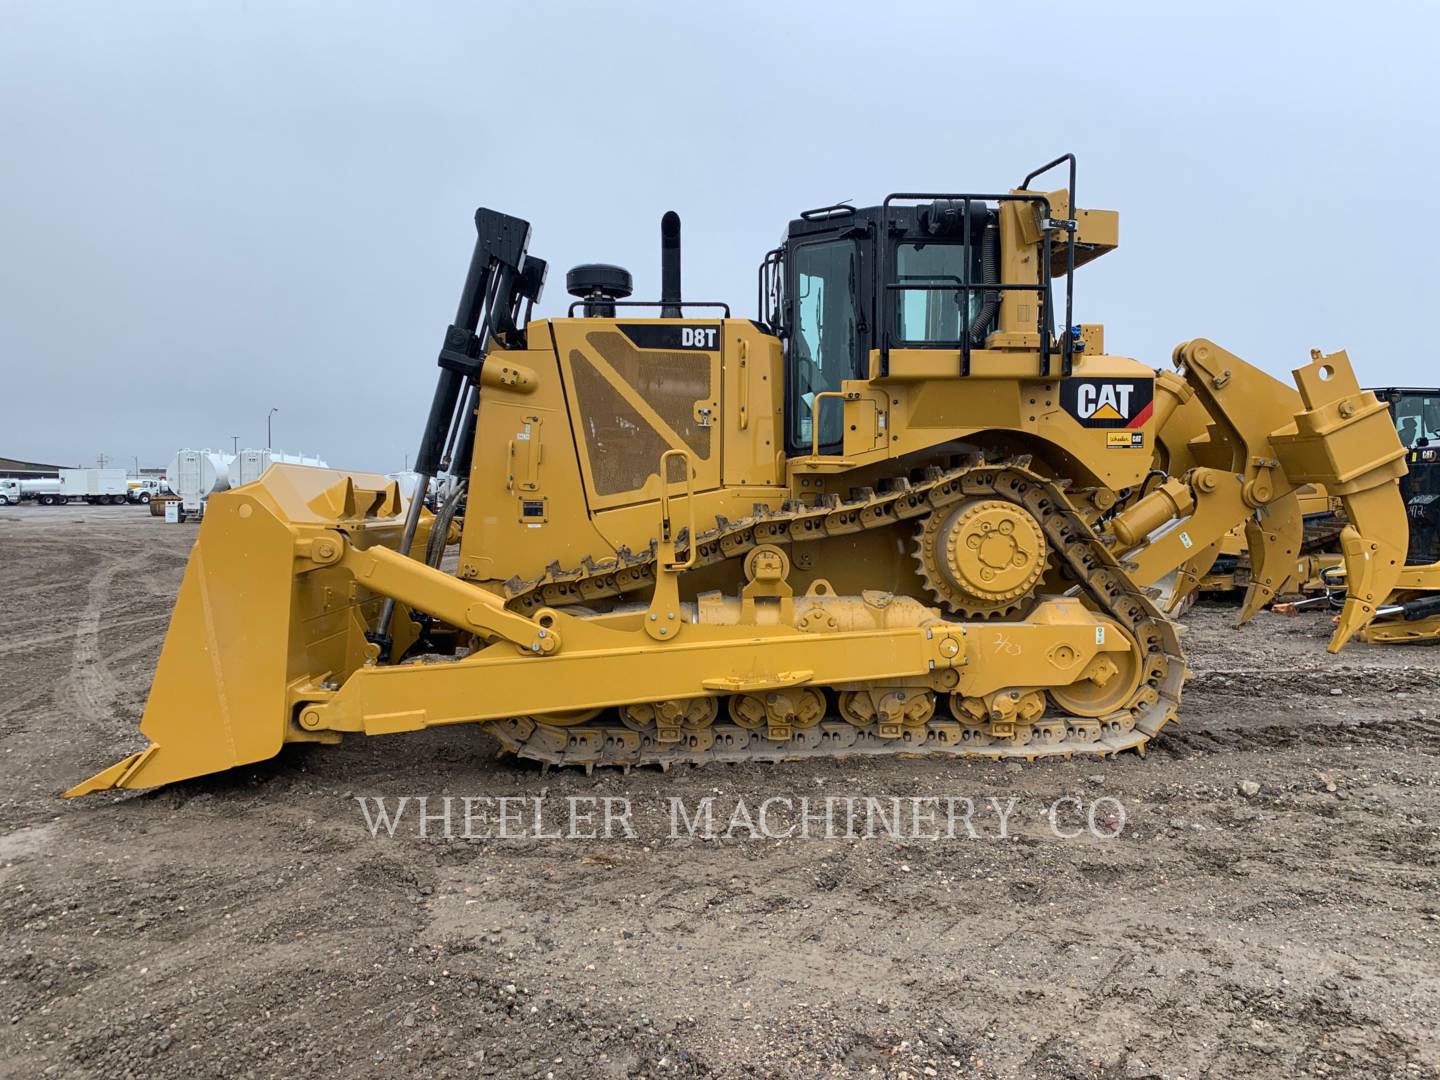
(667, 534)
(1067, 343)
(815, 417)
(967, 288)
(1061, 160)
(652, 303)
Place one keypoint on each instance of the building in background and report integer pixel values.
(14, 468)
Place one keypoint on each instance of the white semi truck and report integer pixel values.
(144, 488)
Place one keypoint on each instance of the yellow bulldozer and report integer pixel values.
(1411, 613)
(896, 512)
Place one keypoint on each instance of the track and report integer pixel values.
(1080, 552)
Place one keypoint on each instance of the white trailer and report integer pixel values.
(195, 475)
(249, 465)
(102, 487)
(99, 487)
(408, 479)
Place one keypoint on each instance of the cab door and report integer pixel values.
(827, 342)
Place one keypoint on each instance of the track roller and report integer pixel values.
(667, 721)
(779, 712)
(891, 708)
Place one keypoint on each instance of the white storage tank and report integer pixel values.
(249, 465)
(195, 475)
(408, 479)
(40, 485)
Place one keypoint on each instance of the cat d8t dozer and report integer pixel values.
(897, 512)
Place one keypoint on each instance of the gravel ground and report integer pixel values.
(1268, 908)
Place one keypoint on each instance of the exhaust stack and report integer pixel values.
(670, 265)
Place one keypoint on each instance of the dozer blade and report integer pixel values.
(246, 626)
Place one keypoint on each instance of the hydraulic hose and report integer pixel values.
(989, 275)
(440, 527)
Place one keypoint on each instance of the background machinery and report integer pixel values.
(898, 512)
(1412, 612)
(1416, 414)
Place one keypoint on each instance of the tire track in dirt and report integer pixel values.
(56, 638)
(1416, 733)
(92, 689)
(16, 705)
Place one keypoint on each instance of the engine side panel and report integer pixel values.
(526, 506)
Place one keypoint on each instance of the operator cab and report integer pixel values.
(832, 313)
(919, 271)
(1416, 414)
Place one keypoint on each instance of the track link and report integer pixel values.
(1096, 572)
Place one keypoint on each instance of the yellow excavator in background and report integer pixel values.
(897, 512)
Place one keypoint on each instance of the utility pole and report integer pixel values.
(137, 466)
(100, 458)
(235, 444)
(269, 441)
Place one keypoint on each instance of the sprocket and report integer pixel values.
(983, 558)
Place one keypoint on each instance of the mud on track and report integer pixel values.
(249, 924)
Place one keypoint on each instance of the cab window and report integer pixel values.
(825, 346)
(931, 314)
(1417, 419)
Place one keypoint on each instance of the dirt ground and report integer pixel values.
(249, 924)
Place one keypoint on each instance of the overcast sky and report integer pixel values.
(210, 209)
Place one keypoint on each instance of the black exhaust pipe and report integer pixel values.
(670, 265)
